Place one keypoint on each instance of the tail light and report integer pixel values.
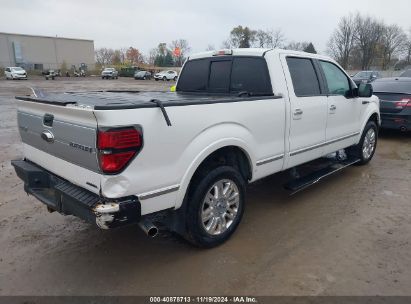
(117, 147)
(404, 103)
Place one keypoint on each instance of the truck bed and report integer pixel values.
(116, 100)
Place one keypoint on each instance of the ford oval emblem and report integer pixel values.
(47, 136)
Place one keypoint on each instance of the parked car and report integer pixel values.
(109, 73)
(15, 73)
(111, 159)
(365, 77)
(406, 73)
(395, 102)
(50, 74)
(166, 75)
(142, 75)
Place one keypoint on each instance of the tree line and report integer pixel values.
(358, 42)
(362, 42)
(245, 37)
(163, 55)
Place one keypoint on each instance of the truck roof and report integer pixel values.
(258, 52)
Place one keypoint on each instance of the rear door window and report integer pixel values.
(304, 77)
(250, 75)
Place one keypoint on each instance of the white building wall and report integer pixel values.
(51, 52)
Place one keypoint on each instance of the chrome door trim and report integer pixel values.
(316, 146)
(269, 159)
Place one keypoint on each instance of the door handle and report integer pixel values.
(333, 108)
(298, 112)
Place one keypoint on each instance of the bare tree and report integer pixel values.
(183, 48)
(407, 48)
(210, 47)
(368, 35)
(226, 44)
(342, 41)
(270, 38)
(393, 40)
(104, 56)
(152, 56)
(297, 46)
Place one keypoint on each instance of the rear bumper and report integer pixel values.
(395, 121)
(68, 199)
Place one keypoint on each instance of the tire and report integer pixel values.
(156, 79)
(212, 232)
(365, 149)
(144, 78)
(164, 78)
(175, 78)
(102, 77)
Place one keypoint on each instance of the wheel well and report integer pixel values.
(232, 156)
(374, 117)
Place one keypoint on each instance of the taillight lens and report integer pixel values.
(120, 139)
(117, 147)
(112, 163)
(405, 102)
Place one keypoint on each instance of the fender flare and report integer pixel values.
(370, 113)
(213, 147)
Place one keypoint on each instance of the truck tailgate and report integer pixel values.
(61, 139)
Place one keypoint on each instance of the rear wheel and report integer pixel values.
(215, 206)
(365, 149)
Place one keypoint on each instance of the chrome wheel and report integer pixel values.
(220, 206)
(368, 145)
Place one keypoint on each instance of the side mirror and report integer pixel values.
(365, 90)
(352, 75)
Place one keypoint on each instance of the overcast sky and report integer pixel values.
(145, 23)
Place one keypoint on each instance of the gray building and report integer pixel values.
(43, 52)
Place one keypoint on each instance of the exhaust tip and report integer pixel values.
(148, 227)
(152, 232)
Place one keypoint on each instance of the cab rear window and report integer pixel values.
(226, 75)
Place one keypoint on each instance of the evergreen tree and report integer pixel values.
(310, 49)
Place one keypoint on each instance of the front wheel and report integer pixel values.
(365, 149)
(215, 206)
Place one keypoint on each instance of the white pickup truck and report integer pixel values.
(184, 158)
